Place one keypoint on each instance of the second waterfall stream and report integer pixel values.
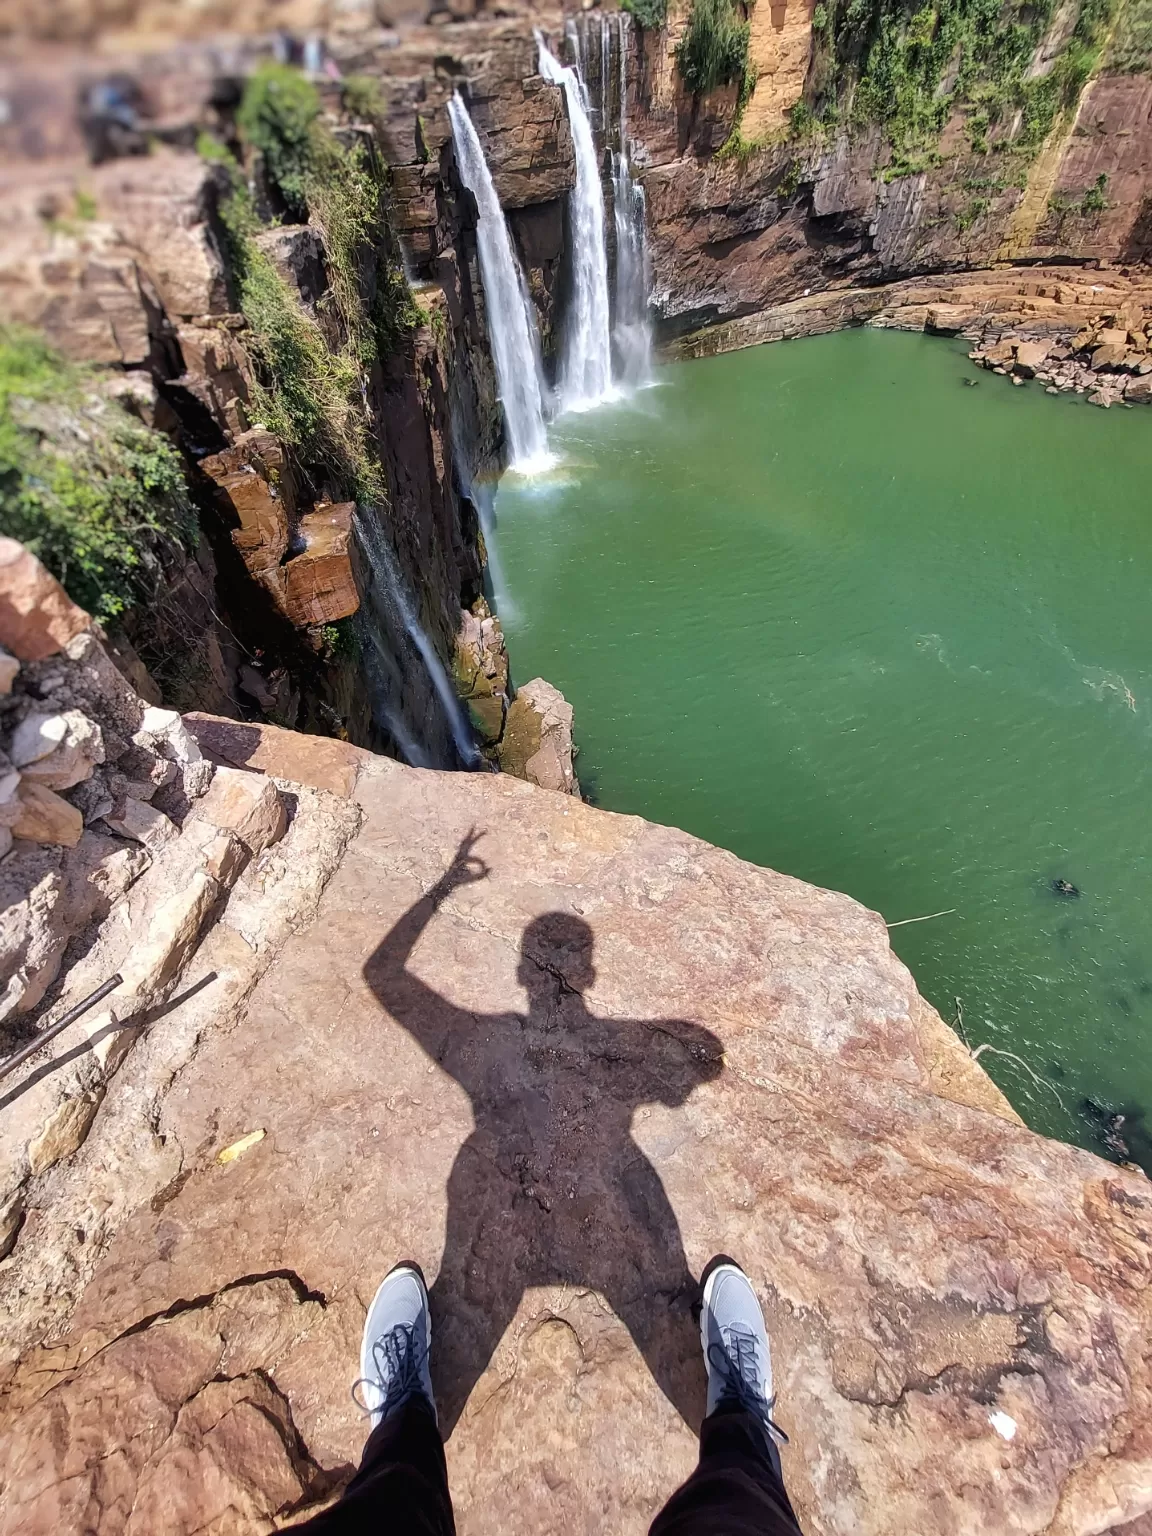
(586, 361)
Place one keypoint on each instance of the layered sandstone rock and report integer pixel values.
(561, 1078)
(319, 585)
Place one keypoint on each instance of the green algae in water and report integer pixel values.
(824, 606)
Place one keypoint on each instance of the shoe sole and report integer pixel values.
(406, 1266)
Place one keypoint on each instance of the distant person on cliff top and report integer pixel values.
(401, 1488)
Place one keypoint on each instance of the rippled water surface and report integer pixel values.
(822, 604)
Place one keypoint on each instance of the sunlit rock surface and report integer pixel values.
(562, 1083)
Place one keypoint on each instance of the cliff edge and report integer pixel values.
(560, 1082)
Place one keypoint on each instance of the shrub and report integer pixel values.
(99, 497)
(909, 66)
(714, 48)
(363, 98)
(649, 14)
(1094, 200)
(307, 393)
(277, 116)
(802, 121)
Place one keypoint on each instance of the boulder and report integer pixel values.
(33, 928)
(319, 585)
(480, 664)
(947, 319)
(1030, 355)
(57, 751)
(161, 204)
(296, 251)
(37, 617)
(247, 805)
(1110, 355)
(320, 761)
(217, 370)
(999, 352)
(173, 933)
(142, 822)
(537, 741)
(1139, 390)
(252, 477)
(46, 818)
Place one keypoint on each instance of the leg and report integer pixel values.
(401, 1488)
(737, 1488)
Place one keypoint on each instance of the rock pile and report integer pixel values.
(121, 846)
(1109, 359)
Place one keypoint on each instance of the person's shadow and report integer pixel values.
(550, 1188)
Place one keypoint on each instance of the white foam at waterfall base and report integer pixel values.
(511, 323)
(586, 363)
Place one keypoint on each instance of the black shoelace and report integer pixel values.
(740, 1372)
(399, 1362)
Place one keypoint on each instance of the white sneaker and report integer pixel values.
(396, 1344)
(735, 1342)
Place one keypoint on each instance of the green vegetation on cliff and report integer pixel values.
(651, 14)
(1131, 48)
(310, 390)
(909, 69)
(714, 49)
(98, 496)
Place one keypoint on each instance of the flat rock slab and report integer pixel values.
(561, 1079)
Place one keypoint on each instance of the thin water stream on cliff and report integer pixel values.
(823, 605)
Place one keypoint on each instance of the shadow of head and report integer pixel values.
(661, 1060)
(556, 948)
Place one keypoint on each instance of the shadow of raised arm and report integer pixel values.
(422, 1011)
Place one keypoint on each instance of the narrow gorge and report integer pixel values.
(396, 457)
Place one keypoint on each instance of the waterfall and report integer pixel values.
(586, 366)
(511, 323)
(385, 682)
(632, 331)
(382, 558)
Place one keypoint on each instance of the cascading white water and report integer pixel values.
(381, 556)
(632, 330)
(385, 681)
(586, 364)
(511, 323)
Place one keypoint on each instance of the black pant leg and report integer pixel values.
(737, 1489)
(401, 1488)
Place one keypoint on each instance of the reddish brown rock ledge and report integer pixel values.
(960, 1310)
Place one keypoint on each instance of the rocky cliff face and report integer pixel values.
(121, 247)
(561, 1087)
(151, 278)
(794, 208)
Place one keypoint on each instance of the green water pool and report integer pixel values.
(824, 605)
